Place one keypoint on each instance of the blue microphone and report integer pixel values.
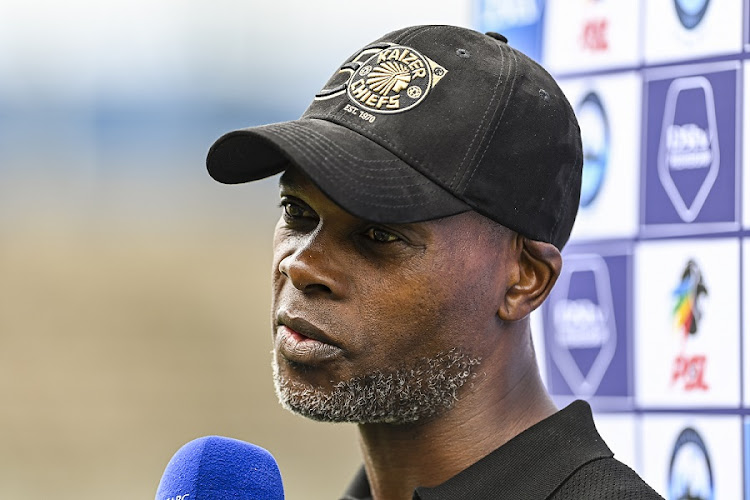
(220, 468)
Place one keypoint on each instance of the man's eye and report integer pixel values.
(294, 211)
(381, 235)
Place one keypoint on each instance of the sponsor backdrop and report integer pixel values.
(646, 321)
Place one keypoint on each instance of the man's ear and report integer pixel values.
(539, 265)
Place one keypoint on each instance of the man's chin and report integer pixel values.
(424, 389)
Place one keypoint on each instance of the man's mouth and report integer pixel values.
(301, 342)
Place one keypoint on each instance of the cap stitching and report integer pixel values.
(296, 135)
(502, 113)
(402, 156)
(317, 135)
(379, 196)
(410, 35)
(405, 33)
(338, 168)
(461, 170)
(333, 145)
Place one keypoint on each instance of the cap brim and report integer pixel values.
(359, 175)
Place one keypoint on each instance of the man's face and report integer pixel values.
(379, 322)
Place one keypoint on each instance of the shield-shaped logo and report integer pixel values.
(584, 337)
(688, 158)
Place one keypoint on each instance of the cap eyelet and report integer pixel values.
(463, 53)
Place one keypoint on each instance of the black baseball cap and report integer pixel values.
(427, 122)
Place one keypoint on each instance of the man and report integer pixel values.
(426, 195)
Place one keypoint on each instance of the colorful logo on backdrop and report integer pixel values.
(584, 340)
(691, 12)
(690, 476)
(691, 167)
(521, 21)
(689, 369)
(595, 137)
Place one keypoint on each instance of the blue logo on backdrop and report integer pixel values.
(521, 21)
(595, 138)
(582, 314)
(691, 170)
(690, 476)
(688, 160)
(691, 12)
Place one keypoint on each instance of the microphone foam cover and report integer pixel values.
(219, 468)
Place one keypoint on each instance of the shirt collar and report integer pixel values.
(531, 465)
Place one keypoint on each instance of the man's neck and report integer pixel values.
(497, 407)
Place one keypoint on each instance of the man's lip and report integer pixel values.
(304, 328)
(299, 348)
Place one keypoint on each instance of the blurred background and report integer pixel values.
(135, 291)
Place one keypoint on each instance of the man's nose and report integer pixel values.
(312, 269)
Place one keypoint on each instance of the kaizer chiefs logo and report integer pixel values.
(394, 79)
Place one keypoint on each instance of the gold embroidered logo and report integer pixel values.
(394, 79)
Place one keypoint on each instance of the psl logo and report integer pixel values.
(687, 313)
(595, 138)
(585, 337)
(690, 476)
(594, 36)
(688, 158)
(691, 12)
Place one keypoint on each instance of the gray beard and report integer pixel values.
(422, 390)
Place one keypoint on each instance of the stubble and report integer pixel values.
(423, 389)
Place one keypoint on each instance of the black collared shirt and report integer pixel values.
(561, 457)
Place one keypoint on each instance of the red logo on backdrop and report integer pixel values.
(594, 36)
(689, 369)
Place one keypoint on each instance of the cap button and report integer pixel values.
(497, 36)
